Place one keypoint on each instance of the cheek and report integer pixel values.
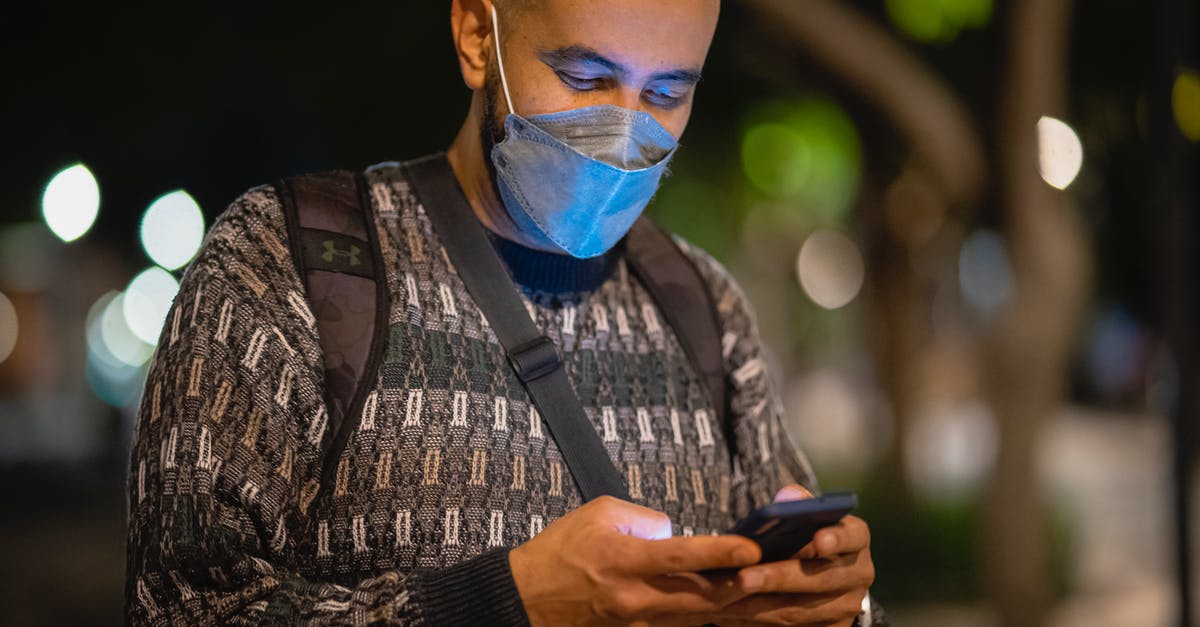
(675, 120)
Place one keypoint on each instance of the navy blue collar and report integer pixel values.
(552, 273)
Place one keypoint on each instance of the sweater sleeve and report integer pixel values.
(226, 458)
(765, 458)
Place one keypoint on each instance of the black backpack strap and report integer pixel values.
(335, 246)
(532, 355)
(680, 292)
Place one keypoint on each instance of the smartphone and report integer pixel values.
(782, 529)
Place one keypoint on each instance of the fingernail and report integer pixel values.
(791, 493)
(828, 543)
(751, 580)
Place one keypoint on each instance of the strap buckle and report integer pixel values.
(534, 360)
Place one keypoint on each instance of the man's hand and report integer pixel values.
(824, 584)
(613, 562)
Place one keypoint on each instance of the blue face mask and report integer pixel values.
(577, 180)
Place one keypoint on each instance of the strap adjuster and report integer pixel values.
(534, 360)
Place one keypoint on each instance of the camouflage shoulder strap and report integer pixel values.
(335, 246)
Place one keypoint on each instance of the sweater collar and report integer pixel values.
(552, 273)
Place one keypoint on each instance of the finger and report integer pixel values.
(692, 554)
(667, 598)
(809, 576)
(710, 593)
(792, 492)
(850, 535)
(793, 609)
(630, 519)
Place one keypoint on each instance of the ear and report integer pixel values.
(471, 26)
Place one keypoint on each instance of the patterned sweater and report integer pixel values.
(450, 465)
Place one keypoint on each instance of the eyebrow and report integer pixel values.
(582, 54)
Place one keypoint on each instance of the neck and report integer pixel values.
(467, 160)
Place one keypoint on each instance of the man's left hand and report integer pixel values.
(824, 584)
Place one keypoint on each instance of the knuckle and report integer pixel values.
(604, 503)
(673, 560)
(869, 572)
(623, 605)
(767, 581)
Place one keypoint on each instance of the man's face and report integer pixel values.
(564, 54)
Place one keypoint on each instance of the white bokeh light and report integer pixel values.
(832, 418)
(172, 229)
(109, 334)
(830, 269)
(71, 202)
(8, 327)
(147, 301)
(1060, 153)
(116, 359)
(951, 449)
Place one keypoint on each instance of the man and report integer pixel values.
(450, 503)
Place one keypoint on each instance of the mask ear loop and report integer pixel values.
(500, 58)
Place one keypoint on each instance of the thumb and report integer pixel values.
(634, 520)
(793, 492)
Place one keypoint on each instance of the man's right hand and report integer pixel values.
(613, 562)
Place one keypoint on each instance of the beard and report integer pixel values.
(491, 127)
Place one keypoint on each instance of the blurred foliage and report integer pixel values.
(926, 551)
(938, 21)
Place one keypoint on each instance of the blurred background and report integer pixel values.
(967, 227)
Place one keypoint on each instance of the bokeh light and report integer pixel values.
(71, 202)
(984, 272)
(116, 359)
(8, 327)
(777, 159)
(832, 416)
(107, 327)
(806, 153)
(1060, 153)
(1185, 101)
(830, 269)
(147, 301)
(172, 229)
(1116, 353)
(938, 21)
(951, 450)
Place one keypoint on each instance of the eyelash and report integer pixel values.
(579, 84)
(663, 101)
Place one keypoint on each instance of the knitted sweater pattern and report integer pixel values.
(450, 465)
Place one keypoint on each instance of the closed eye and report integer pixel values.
(665, 98)
(579, 83)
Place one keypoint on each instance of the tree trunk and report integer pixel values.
(1027, 351)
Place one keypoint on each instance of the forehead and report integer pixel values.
(649, 34)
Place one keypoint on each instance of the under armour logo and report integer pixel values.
(331, 251)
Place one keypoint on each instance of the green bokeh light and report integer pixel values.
(805, 156)
(777, 159)
(1185, 101)
(938, 21)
